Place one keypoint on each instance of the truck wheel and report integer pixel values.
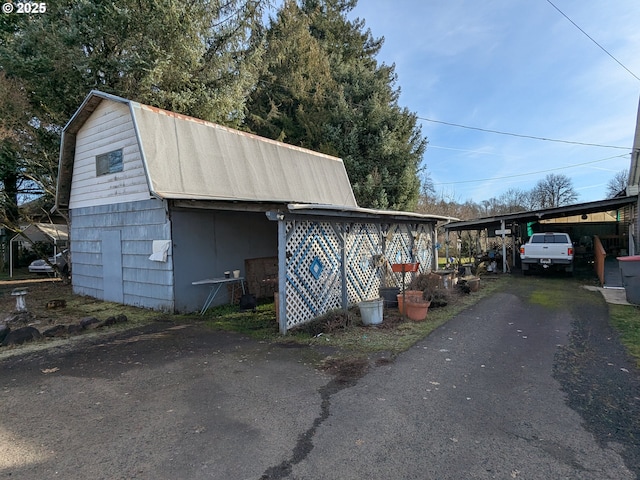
(525, 270)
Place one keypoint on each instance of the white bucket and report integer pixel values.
(371, 311)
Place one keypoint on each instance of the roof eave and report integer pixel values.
(349, 211)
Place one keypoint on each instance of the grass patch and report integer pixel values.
(395, 335)
(546, 295)
(21, 273)
(626, 319)
(552, 292)
(343, 331)
(261, 325)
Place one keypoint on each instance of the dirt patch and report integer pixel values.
(390, 321)
(55, 313)
(39, 292)
(346, 370)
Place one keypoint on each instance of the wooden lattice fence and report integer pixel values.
(326, 265)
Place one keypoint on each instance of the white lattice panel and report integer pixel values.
(363, 265)
(423, 248)
(313, 270)
(399, 249)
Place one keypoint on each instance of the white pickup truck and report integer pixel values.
(547, 250)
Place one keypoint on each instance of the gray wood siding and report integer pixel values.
(145, 283)
(109, 128)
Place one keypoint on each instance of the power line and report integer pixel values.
(591, 38)
(520, 135)
(529, 173)
(498, 132)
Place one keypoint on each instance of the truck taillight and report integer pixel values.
(521, 250)
(569, 251)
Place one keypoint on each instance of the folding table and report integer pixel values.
(216, 284)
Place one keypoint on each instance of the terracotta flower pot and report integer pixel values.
(417, 294)
(405, 267)
(417, 309)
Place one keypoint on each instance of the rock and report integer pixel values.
(113, 321)
(74, 329)
(89, 322)
(18, 318)
(107, 323)
(4, 331)
(21, 335)
(57, 331)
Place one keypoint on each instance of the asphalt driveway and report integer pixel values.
(530, 383)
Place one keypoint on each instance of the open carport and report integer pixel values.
(610, 238)
(55, 234)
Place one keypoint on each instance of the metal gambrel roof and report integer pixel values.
(188, 158)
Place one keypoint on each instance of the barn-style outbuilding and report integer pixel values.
(158, 200)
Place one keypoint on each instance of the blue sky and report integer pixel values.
(515, 66)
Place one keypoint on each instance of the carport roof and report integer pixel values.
(44, 232)
(543, 214)
(364, 213)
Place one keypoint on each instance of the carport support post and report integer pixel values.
(343, 265)
(282, 274)
(446, 247)
(504, 247)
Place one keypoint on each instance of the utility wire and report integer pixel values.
(520, 135)
(529, 173)
(591, 38)
(532, 137)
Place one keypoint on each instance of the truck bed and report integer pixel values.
(547, 250)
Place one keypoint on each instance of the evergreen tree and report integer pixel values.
(290, 102)
(198, 58)
(324, 89)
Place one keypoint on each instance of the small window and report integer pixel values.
(109, 163)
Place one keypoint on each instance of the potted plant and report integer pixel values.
(406, 295)
(390, 296)
(388, 290)
(417, 308)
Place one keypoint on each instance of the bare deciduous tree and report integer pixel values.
(553, 191)
(618, 183)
